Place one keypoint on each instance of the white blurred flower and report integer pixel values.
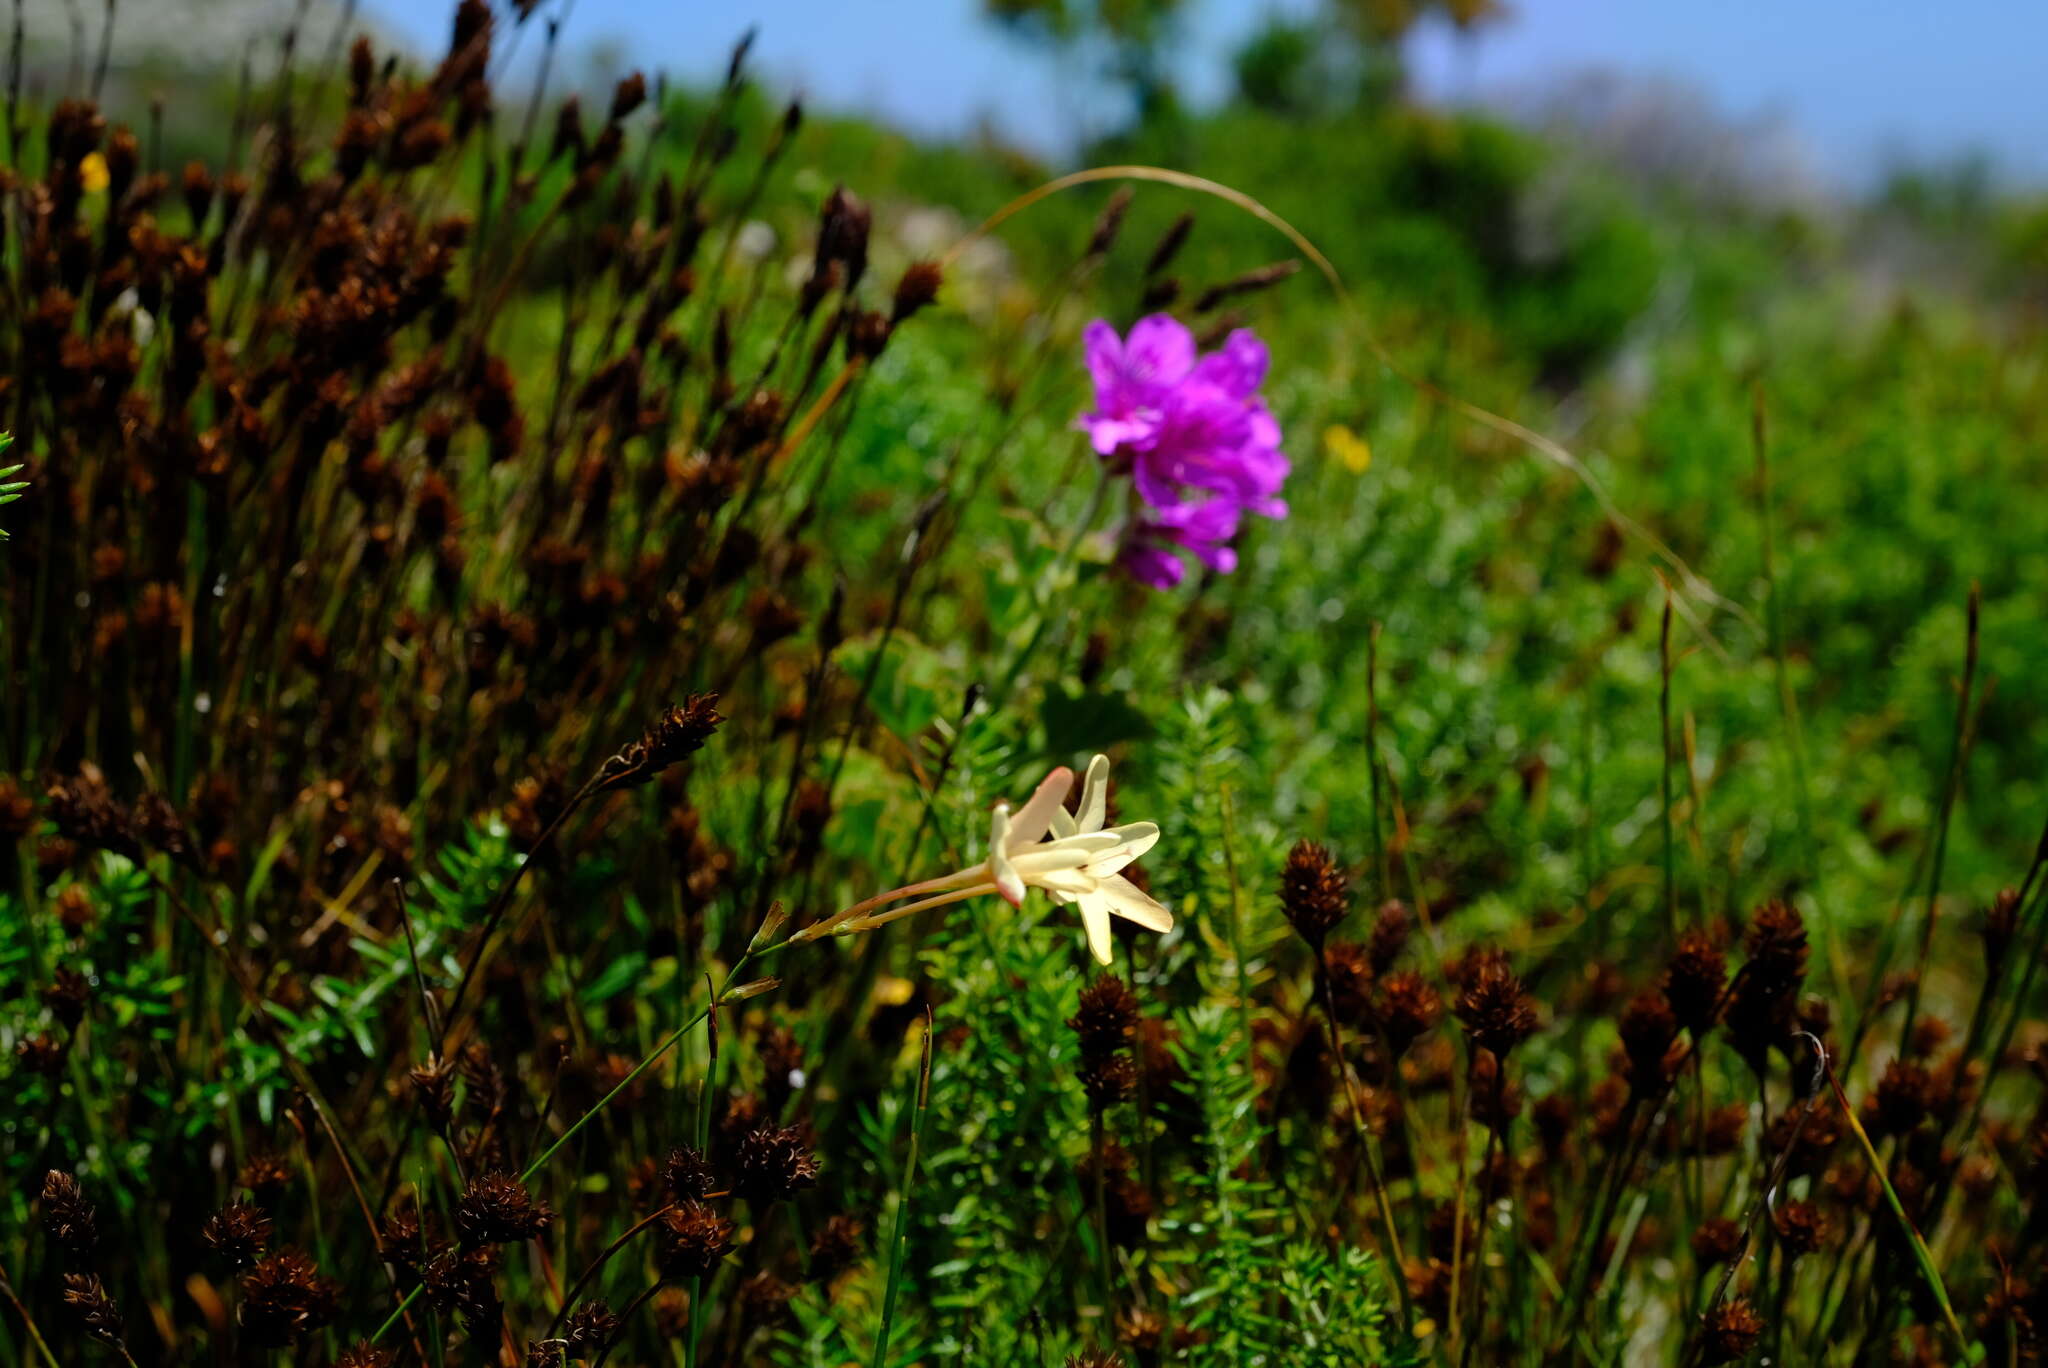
(756, 241)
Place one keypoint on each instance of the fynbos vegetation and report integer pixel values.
(562, 667)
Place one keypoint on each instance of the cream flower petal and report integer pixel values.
(1069, 852)
(1141, 835)
(1063, 823)
(1007, 880)
(1036, 815)
(1094, 796)
(1131, 903)
(1095, 917)
(1067, 884)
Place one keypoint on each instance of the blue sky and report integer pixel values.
(1860, 81)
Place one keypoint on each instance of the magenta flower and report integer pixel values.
(1203, 529)
(1200, 446)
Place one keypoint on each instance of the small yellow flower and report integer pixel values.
(93, 172)
(1075, 859)
(1348, 447)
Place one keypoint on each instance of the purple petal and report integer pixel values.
(1236, 368)
(1105, 353)
(1106, 434)
(1221, 559)
(1160, 351)
(1152, 567)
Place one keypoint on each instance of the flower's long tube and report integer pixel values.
(829, 924)
(869, 923)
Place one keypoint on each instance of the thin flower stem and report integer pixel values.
(1788, 701)
(700, 1137)
(7, 1288)
(1372, 760)
(569, 1297)
(1102, 1248)
(498, 906)
(1495, 1123)
(1921, 1256)
(1006, 678)
(1664, 766)
(1958, 759)
(668, 1043)
(860, 924)
(1396, 1262)
(844, 915)
(896, 1238)
(627, 1315)
(1244, 993)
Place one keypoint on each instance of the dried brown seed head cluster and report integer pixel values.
(772, 1164)
(238, 1232)
(265, 1174)
(1716, 1240)
(1493, 1008)
(589, 1329)
(1407, 1009)
(496, 1208)
(688, 1174)
(87, 1301)
(1315, 894)
(1802, 1227)
(834, 1246)
(692, 1239)
(284, 1296)
(68, 1218)
(1649, 1029)
(678, 733)
(1729, 1331)
(68, 996)
(1107, 1017)
(1694, 980)
(1391, 927)
(434, 1081)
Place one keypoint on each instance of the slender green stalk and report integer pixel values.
(705, 1091)
(1006, 678)
(1372, 759)
(1394, 1262)
(1959, 750)
(668, 1043)
(896, 1238)
(7, 1289)
(1788, 701)
(1244, 991)
(1921, 1255)
(1101, 1195)
(1495, 1123)
(645, 1296)
(498, 906)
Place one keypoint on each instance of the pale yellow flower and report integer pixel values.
(1112, 892)
(1080, 863)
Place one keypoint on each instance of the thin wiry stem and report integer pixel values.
(1395, 1261)
(627, 1315)
(591, 1271)
(896, 1238)
(1959, 750)
(7, 1290)
(500, 903)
